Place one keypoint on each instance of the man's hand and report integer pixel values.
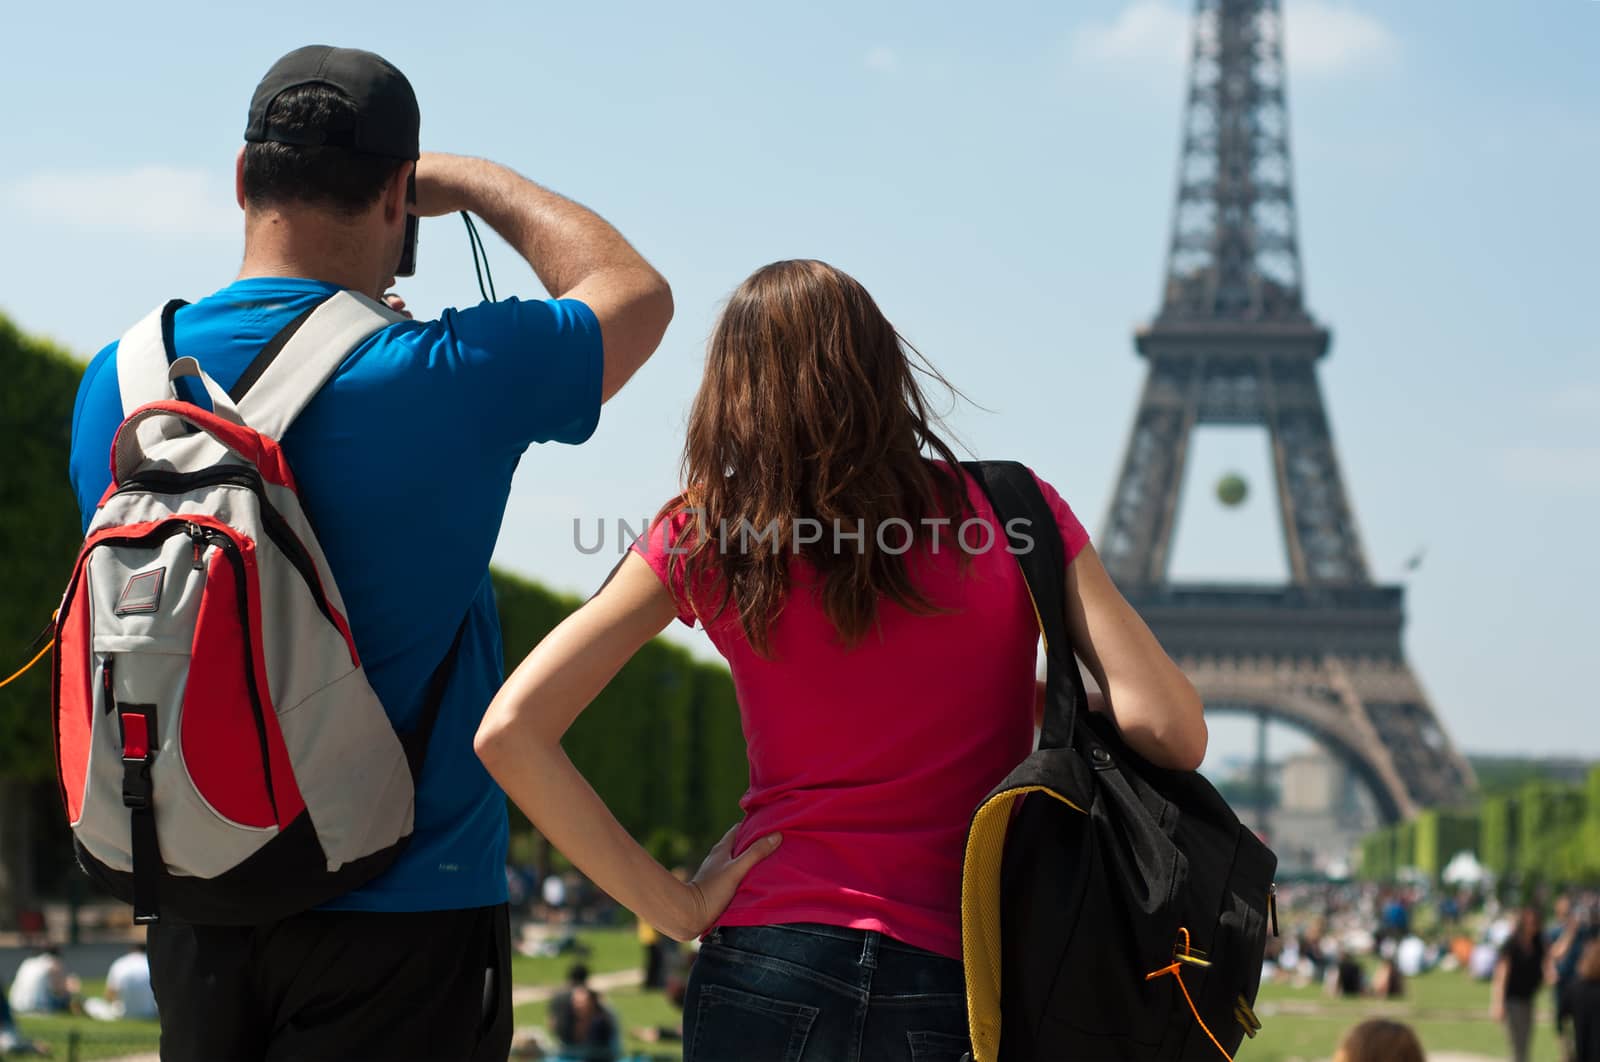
(441, 187)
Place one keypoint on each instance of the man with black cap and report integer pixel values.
(404, 463)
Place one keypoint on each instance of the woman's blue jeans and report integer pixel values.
(816, 993)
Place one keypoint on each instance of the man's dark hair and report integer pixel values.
(332, 177)
(578, 974)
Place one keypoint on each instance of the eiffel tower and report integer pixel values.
(1234, 344)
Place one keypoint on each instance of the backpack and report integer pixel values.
(221, 756)
(1110, 909)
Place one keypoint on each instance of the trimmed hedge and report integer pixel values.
(1546, 832)
(39, 535)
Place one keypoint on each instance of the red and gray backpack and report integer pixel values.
(222, 757)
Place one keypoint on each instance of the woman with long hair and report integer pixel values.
(1518, 975)
(882, 650)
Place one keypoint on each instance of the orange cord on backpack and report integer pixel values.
(37, 656)
(29, 664)
(1188, 955)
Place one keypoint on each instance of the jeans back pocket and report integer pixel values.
(937, 1046)
(732, 1025)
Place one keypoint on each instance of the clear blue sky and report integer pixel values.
(1000, 176)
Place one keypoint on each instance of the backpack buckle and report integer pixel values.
(136, 788)
(137, 722)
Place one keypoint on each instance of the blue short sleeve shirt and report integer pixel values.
(404, 462)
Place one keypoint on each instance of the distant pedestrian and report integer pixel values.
(1582, 1002)
(1570, 938)
(1380, 1040)
(1517, 977)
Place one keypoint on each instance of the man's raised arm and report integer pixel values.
(575, 253)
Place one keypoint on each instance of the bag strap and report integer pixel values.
(269, 353)
(144, 354)
(1035, 540)
(268, 399)
(292, 375)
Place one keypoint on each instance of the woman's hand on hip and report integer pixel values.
(711, 889)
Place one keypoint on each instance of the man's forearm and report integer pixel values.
(564, 242)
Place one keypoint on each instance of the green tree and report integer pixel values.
(39, 536)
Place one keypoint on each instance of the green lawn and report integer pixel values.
(1448, 1010)
(635, 1009)
(608, 950)
(96, 1039)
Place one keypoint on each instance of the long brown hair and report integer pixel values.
(1380, 1040)
(810, 409)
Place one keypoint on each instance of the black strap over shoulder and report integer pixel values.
(1035, 540)
(269, 353)
(415, 741)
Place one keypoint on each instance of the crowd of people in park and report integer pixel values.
(1364, 940)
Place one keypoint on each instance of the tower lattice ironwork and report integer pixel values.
(1233, 343)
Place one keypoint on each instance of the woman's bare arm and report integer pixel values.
(519, 743)
(1154, 704)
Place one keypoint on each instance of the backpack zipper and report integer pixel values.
(199, 533)
(277, 528)
(231, 550)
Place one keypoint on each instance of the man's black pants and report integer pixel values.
(428, 985)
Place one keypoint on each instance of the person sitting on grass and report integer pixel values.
(585, 1026)
(43, 986)
(128, 991)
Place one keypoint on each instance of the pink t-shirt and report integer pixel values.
(870, 761)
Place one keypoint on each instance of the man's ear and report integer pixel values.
(238, 177)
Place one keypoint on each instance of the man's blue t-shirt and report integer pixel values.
(404, 462)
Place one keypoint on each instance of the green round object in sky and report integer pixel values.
(1232, 489)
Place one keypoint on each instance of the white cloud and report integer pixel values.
(1579, 398)
(1155, 31)
(883, 60)
(151, 200)
(1565, 469)
(1324, 37)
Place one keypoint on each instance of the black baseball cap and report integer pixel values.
(387, 120)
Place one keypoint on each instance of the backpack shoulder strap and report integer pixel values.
(292, 375)
(1035, 540)
(144, 354)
